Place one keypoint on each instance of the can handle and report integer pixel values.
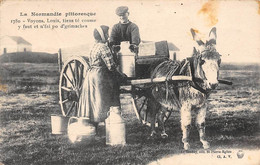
(71, 119)
(120, 112)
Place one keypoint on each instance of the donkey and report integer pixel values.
(187, 96)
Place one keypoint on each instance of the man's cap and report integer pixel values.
(121, 10)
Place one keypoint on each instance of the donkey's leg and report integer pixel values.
(185, 124)
(161, 116)
(201, 126)
(152, 108)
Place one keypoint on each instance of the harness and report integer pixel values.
(185, 67)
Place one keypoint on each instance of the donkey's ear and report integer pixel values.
(196, 38)
(195, 52)
(213, 35)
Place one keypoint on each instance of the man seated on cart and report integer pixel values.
(125, 30)
(101, 88)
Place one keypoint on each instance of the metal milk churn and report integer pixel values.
(79, 129)
(126, 60)
(115, 127)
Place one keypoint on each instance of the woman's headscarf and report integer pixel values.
(100, 33)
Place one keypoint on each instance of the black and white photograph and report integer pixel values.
(130, 82)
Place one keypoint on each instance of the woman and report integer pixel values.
(100, 89)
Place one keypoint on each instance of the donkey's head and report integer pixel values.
(207, 60)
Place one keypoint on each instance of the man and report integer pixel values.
(125, 30)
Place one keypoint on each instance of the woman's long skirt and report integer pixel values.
(99, 92)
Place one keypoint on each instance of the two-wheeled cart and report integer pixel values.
(74, 65)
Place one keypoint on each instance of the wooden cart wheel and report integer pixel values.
(71, 80)
(140, 101)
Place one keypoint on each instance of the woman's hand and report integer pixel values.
(116, 48)
(121, 77)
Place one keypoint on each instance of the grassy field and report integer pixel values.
(29, 95)
(29, 57)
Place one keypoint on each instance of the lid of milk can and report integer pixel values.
(114, 115)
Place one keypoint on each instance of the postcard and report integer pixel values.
(129, 82)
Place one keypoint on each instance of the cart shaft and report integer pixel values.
(158, 80)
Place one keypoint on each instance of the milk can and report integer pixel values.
(126, 60)
(79, 129)
(115, 127)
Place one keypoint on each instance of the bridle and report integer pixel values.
(197, 81)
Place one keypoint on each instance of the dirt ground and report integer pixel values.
(29, 96)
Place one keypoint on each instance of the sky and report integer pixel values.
(237, 23)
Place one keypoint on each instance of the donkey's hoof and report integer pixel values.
(205, 145)
(186, 146)
(152, 135)
(164, 135)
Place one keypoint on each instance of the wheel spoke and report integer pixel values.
(65, 101)
(66, 76)
(135, 110)
(66, 89)
(140, 107)
(81, 75)
(167, 117)
(145, 100)
(145, 116)
(77, 107)
(76, 71)
(80, 88)
(73, 74)
(71, 107)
